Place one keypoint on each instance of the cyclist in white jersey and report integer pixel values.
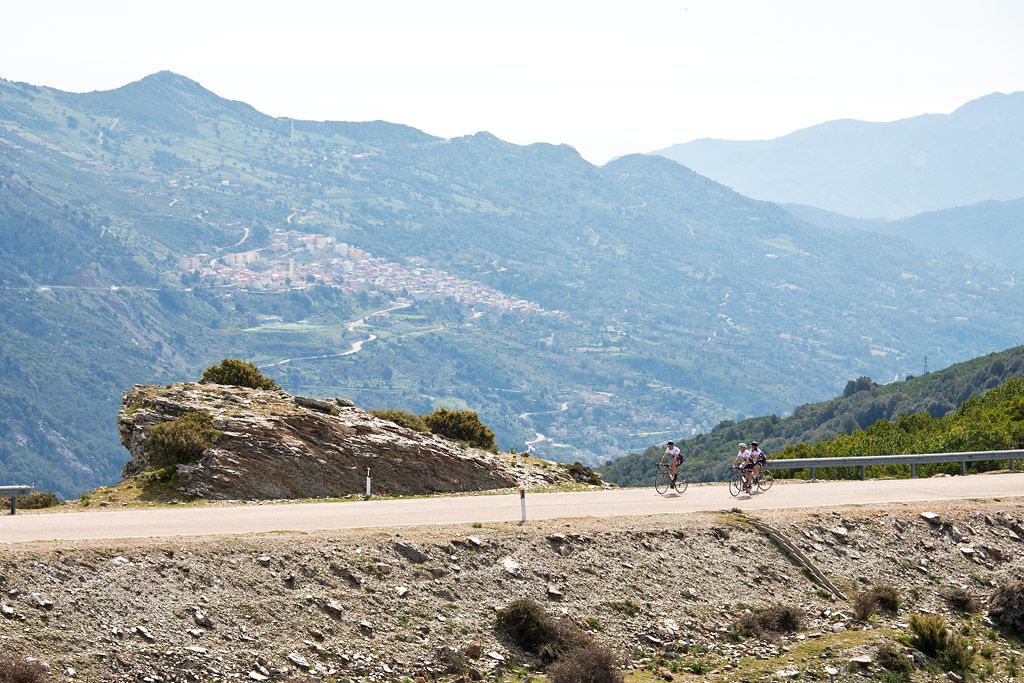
(674, 457)
(746, 465)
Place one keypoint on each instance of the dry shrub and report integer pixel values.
(961, 600)
(17, 669)
(1006, 606)
(864, 605)
(525, 623)
(36, 501)
(770, 622)
(590, 664)
(888, 598)
(568, 638)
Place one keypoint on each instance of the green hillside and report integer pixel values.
(992, 421)
(862, 405)
(649, 295)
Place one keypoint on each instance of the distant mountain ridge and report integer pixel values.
(101, 194)
(878, 170)
(990, 231)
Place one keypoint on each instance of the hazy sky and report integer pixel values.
(609, 78)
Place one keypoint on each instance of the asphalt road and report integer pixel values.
(245, 519)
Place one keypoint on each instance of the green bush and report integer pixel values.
(770, 622)
(36, 501)
(17, 669)
(238, 373)
(592, 663)
(890, 658)
(461, 425)
(180, 441)
(930, 635)
(1006, 606)
(403, 418)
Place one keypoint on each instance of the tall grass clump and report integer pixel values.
(930, 635)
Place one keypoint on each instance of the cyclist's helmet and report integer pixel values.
(671, 443)
(753, 444)
(742, 445)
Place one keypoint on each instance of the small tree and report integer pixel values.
(179, 441)
(239, 373)
(461, 425)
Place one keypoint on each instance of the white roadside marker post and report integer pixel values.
(367, 482)
(522, 503)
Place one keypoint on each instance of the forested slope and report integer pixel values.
(862, 404)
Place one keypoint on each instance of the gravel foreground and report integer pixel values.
(662, 592)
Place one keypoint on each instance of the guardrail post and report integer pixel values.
(913, 471)
(863, 472)
(812, 474)
(1013, 465)
(14, 505)
(963, 468)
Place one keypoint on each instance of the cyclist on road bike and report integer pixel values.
(758, 457)
(746, 464)
(675, 459)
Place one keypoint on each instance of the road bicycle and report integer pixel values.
(663, 481)
(764, 480)
(736, 483)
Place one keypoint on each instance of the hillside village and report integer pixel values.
(297, 260)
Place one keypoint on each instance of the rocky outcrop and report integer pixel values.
(275, 445)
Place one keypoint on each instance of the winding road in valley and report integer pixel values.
(312, 517)
(539, 438)
(356, 347)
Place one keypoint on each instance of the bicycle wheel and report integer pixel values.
(735, 485)
(681, 484)
(765, 481)
(661, 482)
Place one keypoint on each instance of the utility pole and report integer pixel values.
(925, 366)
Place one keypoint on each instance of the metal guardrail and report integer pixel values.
(13, 492)
(865, 461)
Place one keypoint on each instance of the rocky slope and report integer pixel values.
(662, 592)
(274, 445)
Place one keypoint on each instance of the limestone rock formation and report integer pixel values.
(275, 445)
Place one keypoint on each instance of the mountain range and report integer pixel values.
(588, 310)
(990, 231)
(878, 170)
